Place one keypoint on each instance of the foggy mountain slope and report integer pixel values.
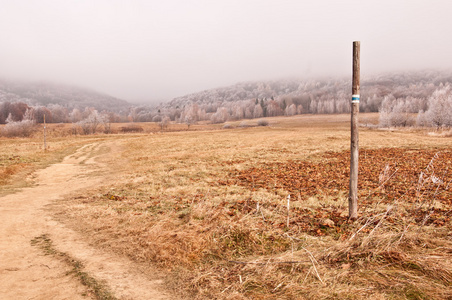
(244, 100)
(239, 91)
(374, 87)
(398, 84)
(45, 94)
(248, 100)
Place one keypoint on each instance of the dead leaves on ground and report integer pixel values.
(418, 178)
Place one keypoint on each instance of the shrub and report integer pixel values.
(243, 124)
(131, 128)
(24, 128)
(262, 122)
(227, 126)
(157, 119)
(449, 133)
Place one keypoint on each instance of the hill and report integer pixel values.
(247, 100)
(69, 97)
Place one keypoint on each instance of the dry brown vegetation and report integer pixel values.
(21, 156)
(209, 208)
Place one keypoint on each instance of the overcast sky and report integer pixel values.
(156, 50)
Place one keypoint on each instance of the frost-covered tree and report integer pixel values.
(220, 116)
(41, 112)
(192, 111)
(258, 111)
(439, 112)
(106, 119)
(59, 113)
(291, 110)
(22, 128)
(395, 112)
(90, 124)
(75, 115)
(274, 109)
(157, 118)
(164, 123)
(16, 110)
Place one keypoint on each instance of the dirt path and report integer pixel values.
(26, 273)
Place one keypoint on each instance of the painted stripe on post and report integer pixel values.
(355, 98)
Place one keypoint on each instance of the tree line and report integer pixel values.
(390, 94)
(436, 111)
(403, 99)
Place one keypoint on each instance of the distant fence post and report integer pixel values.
(354, 143)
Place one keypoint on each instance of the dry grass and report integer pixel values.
(20, 157)
(170, 202)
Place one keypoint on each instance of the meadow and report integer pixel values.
(260, 212)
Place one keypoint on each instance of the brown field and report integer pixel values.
(208, 206)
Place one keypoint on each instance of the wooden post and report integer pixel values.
(354, 143)
(45, 146)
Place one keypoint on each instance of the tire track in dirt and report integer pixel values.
(26, 273)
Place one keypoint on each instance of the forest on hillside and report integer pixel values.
(403, 99)
(60, 103)
(396, 95)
